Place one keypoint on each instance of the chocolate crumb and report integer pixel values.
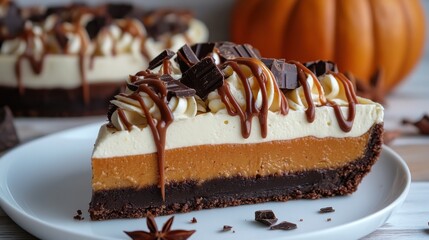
(284, 226)
(266, 217)
(326, 210)
(78, 216)
(226, 228)
(264, 214)
(328, 220)
(422, 125)
(301, 220)
(194, 220)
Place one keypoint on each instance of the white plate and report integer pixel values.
(43, 183)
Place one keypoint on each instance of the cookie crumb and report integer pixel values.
(328, 220)
(227, 228)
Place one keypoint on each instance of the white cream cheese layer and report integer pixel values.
(221, 128)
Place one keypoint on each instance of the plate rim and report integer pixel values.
(17, 214)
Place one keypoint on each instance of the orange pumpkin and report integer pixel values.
(361, 36)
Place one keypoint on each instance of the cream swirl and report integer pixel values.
(180, 107)
(31, 39)
(235, 78)
(296, 98)
(123, 36)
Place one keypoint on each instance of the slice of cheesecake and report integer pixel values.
(216, 126)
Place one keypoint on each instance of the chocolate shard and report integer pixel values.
(321, 67)
(229, 50)
(158, 60)
(226, 228)
(176, 88)
(264, 214)
(94, 26)
(166, 21)
(12, 23)
(186, 58)
(327, 210)
(8, 135)
(204, 77)
(284, 226)
(286, 74)
(203, 50)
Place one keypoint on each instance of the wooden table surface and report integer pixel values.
(410, 100)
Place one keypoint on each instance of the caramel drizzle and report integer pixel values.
(36, 65)
(311, 108)
(157, 91)
(345, 124)
(251, 110)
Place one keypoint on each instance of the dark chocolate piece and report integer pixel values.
(229, 50)
(203, 50)
(264, 214)
(284, 226)
(164, 234)
(204, 77)
(158, 60)
(321, 67)
(286, 74)
(176, 88)
(194, 220)
(422, 125)
(186, 58)
(226, 228)
(266, 217)
(328, 219)
(326, 210)
(166, 21)
(8, 135)
(94, 26)
(12, 23)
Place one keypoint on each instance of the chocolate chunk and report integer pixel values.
(266, 217)
(119, 10)
(286, 74)
(327, 210)
(203, 50)
(186, 58)
(320, 67)
(264, 214)
(8, 135)
(284, 226)
(204, 77)
(422, 125)
(97, 23)
(160, 22)
(11, 24)
(176, 88)
(158, 60)
(226, 228)
(194, 220)
(229, 50)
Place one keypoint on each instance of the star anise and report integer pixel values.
(422, 125)
(165, 234)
